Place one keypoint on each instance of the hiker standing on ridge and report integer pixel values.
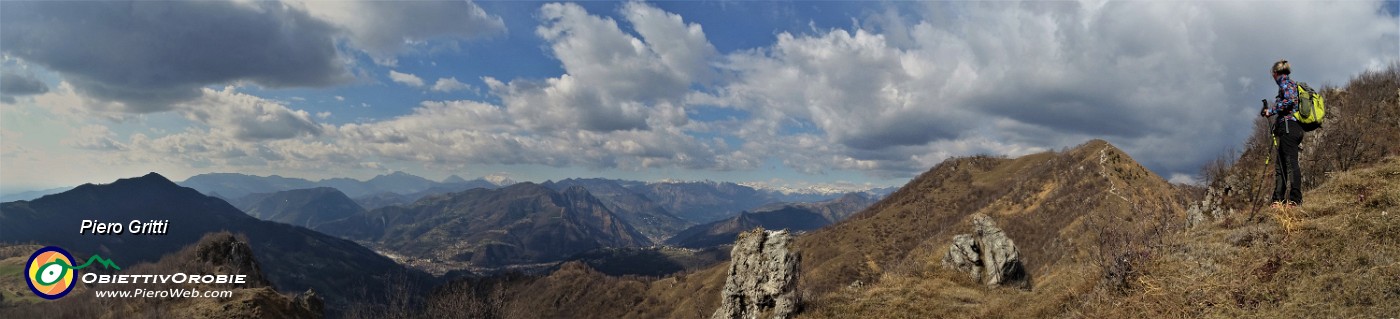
(1288, 136)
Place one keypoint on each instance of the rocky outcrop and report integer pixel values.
(310, 301)
(964, 255)
(762, 277)
(1209, 208)
(988, 255)
(229, 255)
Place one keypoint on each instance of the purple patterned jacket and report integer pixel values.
(1284, 102)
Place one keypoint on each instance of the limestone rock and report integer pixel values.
(964, 255)
(1001, 262)
(988, 254)
(1210, 208)
(230, 255)
(762, 277)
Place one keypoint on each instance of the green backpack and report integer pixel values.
(1310, 108)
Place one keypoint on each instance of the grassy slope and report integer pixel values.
(1054, 205)
(13, 289)
(1338, 256)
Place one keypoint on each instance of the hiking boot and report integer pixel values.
(1276, 205)
(1292, 205)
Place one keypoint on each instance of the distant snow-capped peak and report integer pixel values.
(810, 188)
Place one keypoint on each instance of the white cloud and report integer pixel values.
(387, 29)
(1184, 179)
(405, 78)
(94, 137)
(441, 134)
(235, 115)
(459, 132)
(1160, 79)
(612, 81)
(450, 84)
(682, 47)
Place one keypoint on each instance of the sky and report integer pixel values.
(829, 93)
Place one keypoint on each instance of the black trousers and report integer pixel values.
(1286, 173)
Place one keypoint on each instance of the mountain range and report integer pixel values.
(703, 202)
(636, 209)
(693, 202)
(519, 224)
(448, 227)
(294, 258)
(310, 207)
(234, 185)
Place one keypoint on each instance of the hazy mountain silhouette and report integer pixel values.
(791, 216)
(343, 271)
(308, 207)
(233, 185)
(703, 202)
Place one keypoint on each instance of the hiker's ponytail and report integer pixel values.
(1282, 67)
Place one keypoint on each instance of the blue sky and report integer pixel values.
(843, 93)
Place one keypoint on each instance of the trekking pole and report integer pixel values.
(1268, 154)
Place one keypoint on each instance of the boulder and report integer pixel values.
(964, 255)
(762, 277)
(1001, 262)
(988, 255)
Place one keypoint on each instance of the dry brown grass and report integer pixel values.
(1071, 213)
(577, 291)
(1341, 260)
